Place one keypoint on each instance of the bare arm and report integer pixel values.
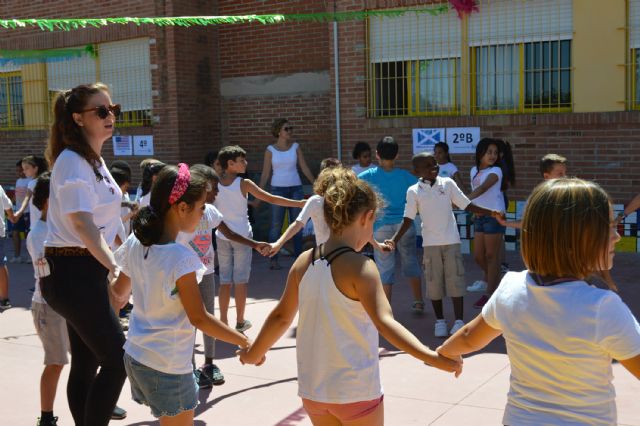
(266, 169)
(472, 337)
(472, 208)
(303, 166)
(119, 291)
(488, 183)
(281, 316)
(406, 224)
(201, 319)
(633, 205)
(292, 230)
(368, 287)
(227, 232)
(261, 194)
(91, 237)
(12, 217)
(632, 365)
(25, 203)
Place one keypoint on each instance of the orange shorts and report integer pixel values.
(343, 412)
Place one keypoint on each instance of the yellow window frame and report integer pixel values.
(633, 104)
(521, 108)
(8, 75)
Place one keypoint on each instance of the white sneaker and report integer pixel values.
(456, 326)
(479, 286)
(440, 329)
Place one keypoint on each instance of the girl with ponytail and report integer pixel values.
(82, 220)
(164, 276)
(342, 305)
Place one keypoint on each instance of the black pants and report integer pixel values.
(77, 290)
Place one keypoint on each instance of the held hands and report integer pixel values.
(389, 245)
(274, 248)
(500, 217)
(263, 248)
(445, 358)
(247, 358)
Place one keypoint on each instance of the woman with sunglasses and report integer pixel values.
(284, 157)
(83, 219)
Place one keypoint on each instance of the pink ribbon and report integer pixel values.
(181, 184)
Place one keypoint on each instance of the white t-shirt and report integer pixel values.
(447, 170)
(160, 335)
(285, 166)
(5, 204)
(22, 185)
(357, 168)
(34, 212)
(561, 340)
(75, 188)
(433, 203)
(145, 199)
(35, 246)
(233, 205)
(314, 209)
(492, 198)
(200, 240)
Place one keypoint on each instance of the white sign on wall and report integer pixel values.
(143, 145)
(426, 139)
(122, 145)
(463, 140)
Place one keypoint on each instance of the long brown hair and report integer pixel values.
(65, 133)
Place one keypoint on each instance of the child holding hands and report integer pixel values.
(338, 294)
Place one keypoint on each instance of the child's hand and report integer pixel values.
(275, 248)
(301, 203)
(390, 244)
(263, 248)
(441, 362)
(117, 302)
(245, 358)
(500, 217)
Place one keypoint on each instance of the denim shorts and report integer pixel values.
(488, 225)
(166, 394)
(22, 225)
(234, 260)
(406, 249)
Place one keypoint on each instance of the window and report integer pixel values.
(633, 71)
(414, 65)
(521, 56)
(11, 100)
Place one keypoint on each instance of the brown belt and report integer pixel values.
(66, 251)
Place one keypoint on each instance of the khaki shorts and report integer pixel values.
(444, 271)
(52, 330)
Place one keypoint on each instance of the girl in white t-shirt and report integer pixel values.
(486, 181)
(447, 168)
(362, 153)
(32, 167)
(561, 333)
(164, 278)
(341, 305)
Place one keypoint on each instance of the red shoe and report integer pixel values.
(480, 302)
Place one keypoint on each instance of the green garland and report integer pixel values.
(39, 55)
(189, 21)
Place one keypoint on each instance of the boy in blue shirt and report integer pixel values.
(392, 184)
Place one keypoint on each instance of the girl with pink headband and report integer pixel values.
(163, 276)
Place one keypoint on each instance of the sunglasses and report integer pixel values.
(102, 111)
(288, 128)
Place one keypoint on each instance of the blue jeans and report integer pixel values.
(277, 215)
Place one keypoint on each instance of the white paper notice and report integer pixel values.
(122, 145)
(143, 145)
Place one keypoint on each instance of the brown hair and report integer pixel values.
(329, 176)
(566, 228)
(65, 133)
(548, 161)
(277, 125)
(329, 162)
(230, 153)
(345, 199)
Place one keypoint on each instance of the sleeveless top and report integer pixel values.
(233, 206)
(285, 166)
(336, 341)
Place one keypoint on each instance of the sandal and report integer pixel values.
(417, 307)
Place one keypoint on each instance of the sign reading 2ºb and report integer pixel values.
(462, 140)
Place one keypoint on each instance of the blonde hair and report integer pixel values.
(346, 198)
(566, 228)
(329, 176)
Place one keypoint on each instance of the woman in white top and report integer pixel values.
(341, 305)
(283, 158)
(561, 333)
(83, 219)
(486, 181)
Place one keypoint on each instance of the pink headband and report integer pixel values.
(181, 184)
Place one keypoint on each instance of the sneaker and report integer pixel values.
(440, 329)
(243, 326)
(417, 307)
(480, 302)
(204, 381)
(5, 304)
(118, 413)
(504, 268)
(214, 373)
(478, 286)
(457, 325)
(53, 421)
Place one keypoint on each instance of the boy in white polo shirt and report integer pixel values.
(431, 197)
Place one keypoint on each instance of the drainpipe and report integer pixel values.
(336, 73)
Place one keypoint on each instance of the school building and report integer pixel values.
(546, 75)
